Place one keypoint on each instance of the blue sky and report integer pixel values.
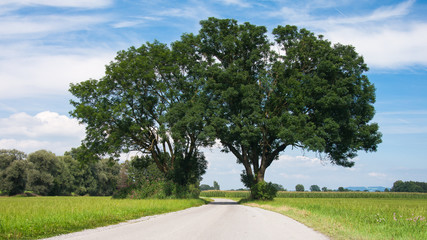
(47, 44)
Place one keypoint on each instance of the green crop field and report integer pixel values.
(38, 217)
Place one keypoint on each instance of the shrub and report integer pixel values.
(263, 191)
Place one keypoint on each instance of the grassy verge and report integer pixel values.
(39, 217)
(356, 218)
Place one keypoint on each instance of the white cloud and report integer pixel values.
(14, 26)
(303, 160)
(60, 3)
(385, 37)
(386, 46)
(125, 24)
(294, 176)
(47, 130)
(239, 3)
(377, 174)
(44, 124)
(196, 12)
(41, 72)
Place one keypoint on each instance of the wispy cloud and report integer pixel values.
(13, 26)
(403, 122)
(380, 14)
(61, 3)
(294, 176)
(240, 3)
(377, 175)
(42, 72)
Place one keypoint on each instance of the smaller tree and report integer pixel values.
(278, 187)
(341, 189)
(216, 185)
(13, 171)
(325, 189)
(314, 188)
(299, 188)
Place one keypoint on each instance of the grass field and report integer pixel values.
(39, 217)
(350, 215)
(356, 218)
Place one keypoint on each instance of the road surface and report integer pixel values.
(222, 219)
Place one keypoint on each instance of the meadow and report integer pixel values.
(40, 217)
(350, 215)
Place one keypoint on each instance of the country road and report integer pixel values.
(222, 219)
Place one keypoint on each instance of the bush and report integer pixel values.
(263, 191)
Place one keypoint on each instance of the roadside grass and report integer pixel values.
(356, 218)
(348, 215)
(40, 217)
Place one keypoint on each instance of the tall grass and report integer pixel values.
(38, 217)
(357, 218)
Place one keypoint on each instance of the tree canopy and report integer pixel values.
(231, 82)
(147, 101)
(44, 173)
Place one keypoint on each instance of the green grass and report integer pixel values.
(39, 217)
(349, 215)
(356, 218)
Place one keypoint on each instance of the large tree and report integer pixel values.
(148, 101)
(299, 91)
(231, 82)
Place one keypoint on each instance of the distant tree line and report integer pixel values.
(409, 186)
(206, 187)
(44, 173)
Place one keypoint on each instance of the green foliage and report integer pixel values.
(311, 95)
(263, 191)
(314, 188)
(26, 218)
(13, 171)
(409, 186)
(216, 186)
(299, 188)
(148, 101)
(44, 173)
(278, 187)
(227, 83)
(205, 187)
(140, 178)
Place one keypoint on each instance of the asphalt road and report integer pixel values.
(222, 219)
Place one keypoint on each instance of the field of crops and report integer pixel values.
(38, 217)
(285, 194)
(350, 215)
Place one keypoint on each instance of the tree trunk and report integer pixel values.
(260, 175)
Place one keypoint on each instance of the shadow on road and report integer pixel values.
(219, 202)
